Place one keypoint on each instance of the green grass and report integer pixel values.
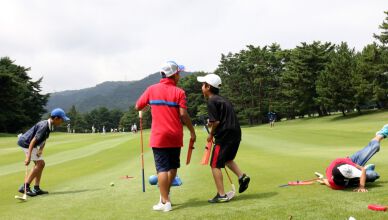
(80, 167)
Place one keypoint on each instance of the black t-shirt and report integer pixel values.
(220, 109)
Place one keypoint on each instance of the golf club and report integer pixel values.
(190, 151)
(232, 193)
(206, 154)
(24, 197)
(300, 182)
(375, 207)
(142, 150)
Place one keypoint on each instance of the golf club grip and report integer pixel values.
(189, 152)
(206, 154)
(142, 173)
(377, 207)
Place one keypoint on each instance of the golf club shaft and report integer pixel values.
(227, 174)
(25, 181)
(142, 149)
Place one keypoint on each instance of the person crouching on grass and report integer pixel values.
(168, 111)
(226, 130)
(32, 143)
(351, 171)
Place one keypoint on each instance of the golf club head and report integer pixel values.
(319, 175)
(21, 198)
(230, 194)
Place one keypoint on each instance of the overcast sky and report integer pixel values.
(77, 44)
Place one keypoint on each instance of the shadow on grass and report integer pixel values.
(203, 202)
(72, 191)
(356, 114)
(369, 186)
(376, 184)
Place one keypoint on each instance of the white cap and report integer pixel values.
(349, 171)
(170, 68)
(211, 79)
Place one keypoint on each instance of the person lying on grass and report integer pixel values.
(351, 171)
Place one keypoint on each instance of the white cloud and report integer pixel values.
(77, 44)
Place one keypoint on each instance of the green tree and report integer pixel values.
(383, 36)
(334, 85)
(306, 63)
(129, 118)
(371, 76)
(194, 94)
(21, 101)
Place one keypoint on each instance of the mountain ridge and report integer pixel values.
(109, 94)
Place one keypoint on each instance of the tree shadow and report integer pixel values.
(356, 114)
(72, 191)
(203, 202)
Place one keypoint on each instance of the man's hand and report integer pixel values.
(193, 136)
(360, 189)
(27, 160)
(209, 138)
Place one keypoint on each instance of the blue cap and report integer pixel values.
(58, 112)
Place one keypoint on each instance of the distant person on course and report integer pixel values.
(32, 143)
(351, 171)
(226, 130)
(271, 118)
(168, 109)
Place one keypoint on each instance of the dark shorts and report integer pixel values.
(166, 158)
(223, 153)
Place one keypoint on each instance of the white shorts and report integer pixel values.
(34, 156)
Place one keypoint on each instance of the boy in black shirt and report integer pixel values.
(226, 130)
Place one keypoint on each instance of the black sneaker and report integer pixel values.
(219, 199)
(243, 181)
(29, 192)
(39, 191)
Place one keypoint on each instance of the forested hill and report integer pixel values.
(112, 95)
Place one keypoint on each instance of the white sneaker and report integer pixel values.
(162, 207)
(160, 198)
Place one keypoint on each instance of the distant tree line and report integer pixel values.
(311, 79)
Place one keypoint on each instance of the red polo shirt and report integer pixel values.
(165, 99)
(329, 171)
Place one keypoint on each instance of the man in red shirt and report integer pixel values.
(168, 110)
